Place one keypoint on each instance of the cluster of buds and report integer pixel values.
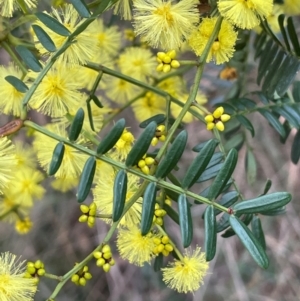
(34, 270)
(89, 214)
(160, 135)
(166, 61)
(162, 246)
(217, 119)
(145, 163)
(104, 258)
(23, 226)
(82, 276)
(159, 214)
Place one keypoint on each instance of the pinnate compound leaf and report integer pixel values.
(112, 137)
(172, 156)
(185, 220)
(86, 179)
(250, 242)
(119, 198)
(148, 208)
(263, 203)
(210, 224)
(199, 164)
(53, 24)
(141, 146)
(44, 38)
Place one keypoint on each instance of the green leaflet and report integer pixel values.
(263, 203)
(199, 164)
(246, 123)
(29, 59)
(17, 83)
(250, 242)
(258, 231)
(295, 151)
(86, 179)
(185, 220)
(251, 168)
(159, 119)
(148, 208)
(57, 158)
(44, 38)
(210, 233)
(119, 198)
(172, 156)
(223, 175)
(76, 125)
(112, 137)
(53, 24)
(141, 146)
(81, 8)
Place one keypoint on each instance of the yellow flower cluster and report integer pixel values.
(23, 226)
(217, 119)
(35, 270)
(159, 214)
(89, 214)
(145, 163)
(82, 276)
(166, 61)
(104, 258)
(162, 245)
(160, 135)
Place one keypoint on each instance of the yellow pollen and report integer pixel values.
(165, 12)
(216, 45)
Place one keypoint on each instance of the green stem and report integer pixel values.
(194, 89)
(22, 20)
(103, 216)
(14, 57)
(120, 165)
(222, 149)
(23, 7)
(54, 277)
(188, 63)
(163, 232)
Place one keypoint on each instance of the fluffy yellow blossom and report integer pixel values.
(245, 14)
(291, 7)
(13, 285)
(8, 162)
(10, 97)
(57, 93)
(108, 38)
(165, 24)
(123, 8)
(23, 226)
(149, 105)
(137, 62)
(84, 45)
(7, 7)
(25, 155)
(187, 274)
(73, 160)
(103, 197)
(25, 186)
(64, 184)
(223, 47)
(134, 247)
(120, 91)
